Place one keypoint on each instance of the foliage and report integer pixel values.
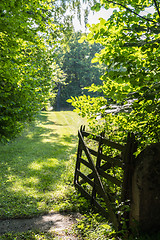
(93, 226)
(25, 73)
(75, 61)
(32, 235)
(131, 83)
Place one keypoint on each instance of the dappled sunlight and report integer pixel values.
(48, 139)
(22, 188)
(31, 181)
(33, 167)
(37, 165)
(61, 191)
(11, 178)
(30, 135)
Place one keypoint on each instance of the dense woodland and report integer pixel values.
(79, 72)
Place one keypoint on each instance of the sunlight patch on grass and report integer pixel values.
(35, 166)
(47, 139)
(26, 186)
(11, 178)
(31, 181)
(30, 135)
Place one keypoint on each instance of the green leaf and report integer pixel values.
(96, 7)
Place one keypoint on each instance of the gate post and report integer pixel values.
(129, 161)
(145, 204)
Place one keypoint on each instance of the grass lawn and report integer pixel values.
(36, 176)
(36, 169)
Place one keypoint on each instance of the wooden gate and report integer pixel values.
(101, 185)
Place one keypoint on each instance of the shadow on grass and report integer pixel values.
(31, 169)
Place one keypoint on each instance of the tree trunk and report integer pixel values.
(58, 97)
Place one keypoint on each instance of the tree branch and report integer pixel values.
(156, 5)
(130, 10)
(140, 44)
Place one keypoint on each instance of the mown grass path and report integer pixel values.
(35, 166)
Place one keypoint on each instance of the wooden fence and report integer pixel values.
(103, 186)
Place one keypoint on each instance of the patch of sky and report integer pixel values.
(94, 17)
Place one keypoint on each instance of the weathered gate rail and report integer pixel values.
(98, 172)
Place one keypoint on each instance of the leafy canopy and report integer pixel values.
(26, 29)
(131, 38)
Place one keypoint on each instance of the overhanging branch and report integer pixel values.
(157, 7)
(142, 43)
(130, 10)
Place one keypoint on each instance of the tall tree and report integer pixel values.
(131, 38)
(24, 59)
(75, 61)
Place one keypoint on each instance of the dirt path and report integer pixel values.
(59, 223)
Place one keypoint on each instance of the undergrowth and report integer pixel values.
(92, 226)
(95, 227)
(30, 235)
